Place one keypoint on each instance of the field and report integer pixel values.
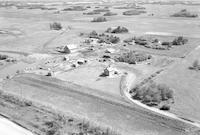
(79, 72)
(186, 84)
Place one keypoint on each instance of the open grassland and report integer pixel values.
(186, 85)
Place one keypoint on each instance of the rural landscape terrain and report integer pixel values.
(86, 67)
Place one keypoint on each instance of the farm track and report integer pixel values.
(15, 52)
(74, 91)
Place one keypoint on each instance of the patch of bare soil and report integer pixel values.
(45, 121)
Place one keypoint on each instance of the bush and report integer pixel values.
(99, 19)
(119, 29)
(3, 57)
(75, 8)
(134, 12)
(110, 14)
(55, 26)
(166, 43)
(93, 34)
(179, 41)
(165, 107)
(184, 13)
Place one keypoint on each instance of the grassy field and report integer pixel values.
(185, 83)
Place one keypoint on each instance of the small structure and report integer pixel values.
(63, 49)
(110, 72)
(105, 73)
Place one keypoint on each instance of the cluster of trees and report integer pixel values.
(195, 66)
(134, 12)
(3, 57)
(99, 19)
(153, 44)
(156, 44)
(130, 6)
(133, 57)
(75, 8)
(119, 29)
(55, 26)
(179, 41)
(153, 94)
(108, 39)
(184, 13)
(103, 38)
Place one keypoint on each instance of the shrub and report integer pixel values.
(75, 8)
(119, 29)
(3, 57)
(110, 14)
(134, 12)
(141, 41)
(166, 43)
(179, 41)
(165, 107)
(99, 19)
(49, 74)
(55, 26)
(93, 34)
(184, 13)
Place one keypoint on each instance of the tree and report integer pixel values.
(55, 26)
